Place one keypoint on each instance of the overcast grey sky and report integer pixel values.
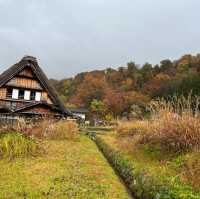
(71, 36)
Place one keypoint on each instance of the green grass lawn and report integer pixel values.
(68, 169)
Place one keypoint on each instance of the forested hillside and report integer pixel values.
(118, 92)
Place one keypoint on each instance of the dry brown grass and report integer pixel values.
(131, 128)
(135, 130)
(50, 129)
(61, 130)
(174, 124)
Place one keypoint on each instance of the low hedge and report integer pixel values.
(139, 182)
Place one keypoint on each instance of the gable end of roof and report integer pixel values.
(29, 61)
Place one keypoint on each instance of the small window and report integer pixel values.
(38, 96)
(27, 95)
(32, 97)
(9, 93)
(15, 93)
(21, 94)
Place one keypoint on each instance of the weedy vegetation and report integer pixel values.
(62, 130)
(52, 160)
(49, 129)
(162, 152)
(14, 145)
(174, 124)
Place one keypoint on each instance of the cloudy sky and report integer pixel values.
(71, 36)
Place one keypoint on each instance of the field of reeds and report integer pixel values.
(174, 124)
(164, 149)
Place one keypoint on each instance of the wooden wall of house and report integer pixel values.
(3, 93)
(25, 80)
(4, 103)
(24, 83)
(12, 104)
(45, 97)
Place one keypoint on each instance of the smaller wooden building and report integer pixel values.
(80, 113)
(25, 91)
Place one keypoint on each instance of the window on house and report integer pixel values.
(21, 94)
(38, 96)
(9, 93)
(27, 95)
(15, 94)
(35, 96)
(32, 96)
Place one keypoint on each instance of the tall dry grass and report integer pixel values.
(133, 129)
(62, 130)
(175, 124)
(55, 130)
(51, 129)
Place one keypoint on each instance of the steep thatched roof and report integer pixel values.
(29, 61)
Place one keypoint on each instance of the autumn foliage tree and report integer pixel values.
(92, 87)
(130, 86)
(98, 108)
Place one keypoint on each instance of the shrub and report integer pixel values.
(14, 144)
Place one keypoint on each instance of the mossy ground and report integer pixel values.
(68, 169)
